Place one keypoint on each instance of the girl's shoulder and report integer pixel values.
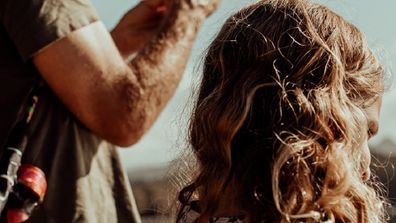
(192, 214)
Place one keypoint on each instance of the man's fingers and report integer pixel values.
(209, 5)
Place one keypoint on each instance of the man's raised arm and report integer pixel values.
(119, 101)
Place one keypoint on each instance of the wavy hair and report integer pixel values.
(279, 117)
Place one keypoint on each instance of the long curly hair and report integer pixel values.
(280, 116)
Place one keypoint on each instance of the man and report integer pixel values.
(93, 96)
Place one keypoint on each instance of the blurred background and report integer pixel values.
(147, 162)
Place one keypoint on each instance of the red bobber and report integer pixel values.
(33, 178)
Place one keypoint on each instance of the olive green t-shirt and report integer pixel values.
(86, 182)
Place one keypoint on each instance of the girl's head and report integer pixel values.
(289, 97)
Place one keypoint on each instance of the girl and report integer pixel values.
(290, 96)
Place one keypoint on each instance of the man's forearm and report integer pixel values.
(157, 70)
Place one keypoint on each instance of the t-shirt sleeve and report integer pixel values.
(33, 24)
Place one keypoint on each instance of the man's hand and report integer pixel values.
(138, 26)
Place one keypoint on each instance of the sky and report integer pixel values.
(165, 140)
